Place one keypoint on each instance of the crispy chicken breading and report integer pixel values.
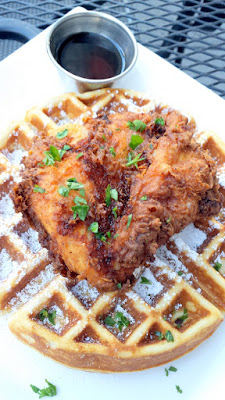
(122, 197)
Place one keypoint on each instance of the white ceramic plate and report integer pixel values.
(27, 78)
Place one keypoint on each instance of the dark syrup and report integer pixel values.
(91, 56)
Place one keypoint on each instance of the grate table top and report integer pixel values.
(189, 34)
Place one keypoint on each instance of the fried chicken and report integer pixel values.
(122, 197)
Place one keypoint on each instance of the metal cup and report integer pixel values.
(93, 22)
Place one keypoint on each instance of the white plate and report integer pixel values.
(27, 78)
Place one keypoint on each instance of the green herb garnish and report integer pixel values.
(108, 234)
(81, 211)
(103, 137)
(136, 125)
(64, 191)
(121, 320)
(54, 155)
(167, 372)
(46, 314)
(135, 160)
(159, 335)
(169, 336)
(217, 266)
(173, 369)
(114, 194)
(119, 285)
(144, 198)
(160, 121)
(151, 146)
(73, 184)
(62, 134)
(145, 281)
(79, 155)
(179, 389)
(180, 273)
(112, 151)
(168, 220)
(50, 391)
(114, 211)
(93, 227)
(116, 236)
(110, 194)
(109, 321)
(135, 141)
(79, 200)
(129, 220)
(38, 189)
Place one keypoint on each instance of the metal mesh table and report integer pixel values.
(189, 34)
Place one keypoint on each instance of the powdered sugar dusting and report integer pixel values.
(221, 175)
(6, 206)
(192, 236)
(7, 265)
(30, 238)
(173, 262)
(86, 293)
(15, 156)
(148, 291)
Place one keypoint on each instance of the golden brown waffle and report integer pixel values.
(173, 305)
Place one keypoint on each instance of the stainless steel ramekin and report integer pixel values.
(94, 22)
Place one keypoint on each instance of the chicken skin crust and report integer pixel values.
(118, 193)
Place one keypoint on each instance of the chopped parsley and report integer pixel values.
(46, 314)
(180, 273)
(101, 236)
(79, 200)
(62, 134)
(119, 319)
(167, 372)
(217, 266)
(116, 236)
(168, 220)
(145, 281)
(129, 220)
(160, 121)
(119, 285)
(169, 336)
(82, 192)
(144, 198)
(38, 189)
(159, 335)
(135, 160)
(136, 125)
(50, 391)
(54, 155)
(151, 146)
(103, 137)
(79, 155)
(173, 369)
(81, 211)
(114, 211)
(93, 227)
(64, 191)
(135, 141)
(110, 194)
(179, 389)
(73, 184)
(112, 151)
(181, 319)
(41, 165)
(108, 234)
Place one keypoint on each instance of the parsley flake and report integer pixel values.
(114, 194)
(145, 281)
(179, 389)
(169, 336)
(110, 194)
(93, 227)
(46, 314)
(159, 335)
(114, 211)
(135, 160)
(144, 198)
(136, 125)
(64, 191)
(160, 121)
(135, 141)
(73, 184)
(167, 372)
(217, 266)
(119, 285)
(79, 155)
(151, 146)
(79, 200)
(173, 369)
(116, 236)
(62, 134)
(121, 320)
(180, 273)
(112, 151)
(50, 391)
(168, 220)
(81, 211)
(109, 321)
(129, 220)
(38, 189)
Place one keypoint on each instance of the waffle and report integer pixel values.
(173, 304)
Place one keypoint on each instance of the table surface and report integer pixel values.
(189, 34)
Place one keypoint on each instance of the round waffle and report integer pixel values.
(163, 320)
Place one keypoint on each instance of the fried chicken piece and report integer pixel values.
(137, 198)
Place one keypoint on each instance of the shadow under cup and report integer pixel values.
(74, 43)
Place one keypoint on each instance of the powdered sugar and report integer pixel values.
(173, 262)
(30, 238)
(86, 293)
(192, 236)
(221, 175)
(148, 291)
(15, 156)
(6, 206)
(7, 265)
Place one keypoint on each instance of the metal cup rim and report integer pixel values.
(102, 15)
